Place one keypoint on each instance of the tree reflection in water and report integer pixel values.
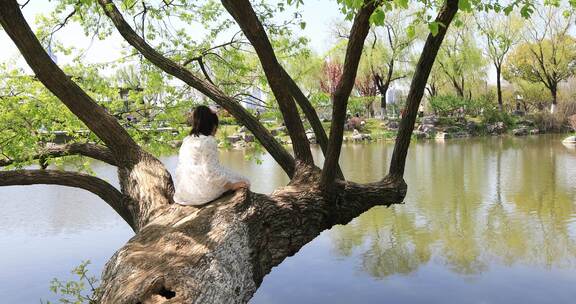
(471, 204)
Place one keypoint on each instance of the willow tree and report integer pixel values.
(218, 253)
(548, 53)
(501, 33)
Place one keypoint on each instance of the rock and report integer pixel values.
(311, 137)
(526, 123)
(461, 134)
(248, 138)
(570, 140)
(442, 135)
(496, 128)
(572, 121)
(429, 120)
(354, 123)
(233, 138)
(240, 144)
(534, 131)
(451, 129)
(419, 134)
(392, 125)
(472, 127)
(278, 131)
(520, 131)
(357, 136)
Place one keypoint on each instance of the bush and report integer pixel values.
(492, 115)
(446, 105)
(557, 122)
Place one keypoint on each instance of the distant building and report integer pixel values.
(255, 100)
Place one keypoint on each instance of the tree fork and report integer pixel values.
(220, 253)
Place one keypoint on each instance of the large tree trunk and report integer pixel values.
(221, 252)
(554, 93)
(499, 88)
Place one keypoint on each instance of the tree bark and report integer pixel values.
(246, 18)
(104, 190)
(554, 93)
(499, 87)
(220, 253)
(85, 149)
(340, 97)
(421, 73)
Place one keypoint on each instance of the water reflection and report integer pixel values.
(472, 205)
(488, 220)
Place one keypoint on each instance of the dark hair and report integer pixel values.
(203, 121)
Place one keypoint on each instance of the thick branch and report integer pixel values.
(246, 18)
(220, 253)
(358, 35)
(83, 106)
(421, 73)
(90, 150)
(310, 114)
(266, 139)
(70, 179)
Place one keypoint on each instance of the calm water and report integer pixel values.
(489, 220)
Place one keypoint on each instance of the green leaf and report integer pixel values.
(465, 5)
(411, 31)
(378, 17)
(402, 3)
(433, 27)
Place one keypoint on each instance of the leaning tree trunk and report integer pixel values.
(221, 252)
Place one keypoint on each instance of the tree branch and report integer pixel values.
(85, 149)
(70, 179)
(284, 159)
(421, 73)
(358, 34)
(104, 125)
(243, 13)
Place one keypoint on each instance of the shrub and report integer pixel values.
(445, 105)
(557, 122)
(492, 115)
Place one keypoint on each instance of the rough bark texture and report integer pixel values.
(220, 253)
(358, 34)
(85, 149)
(421, 73)
(252, 28)
(499, 87)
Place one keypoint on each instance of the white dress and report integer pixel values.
(199, 176)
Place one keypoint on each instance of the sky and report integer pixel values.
(318, 15)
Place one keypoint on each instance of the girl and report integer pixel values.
(199, 176)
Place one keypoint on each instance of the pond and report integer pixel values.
(486, 220)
